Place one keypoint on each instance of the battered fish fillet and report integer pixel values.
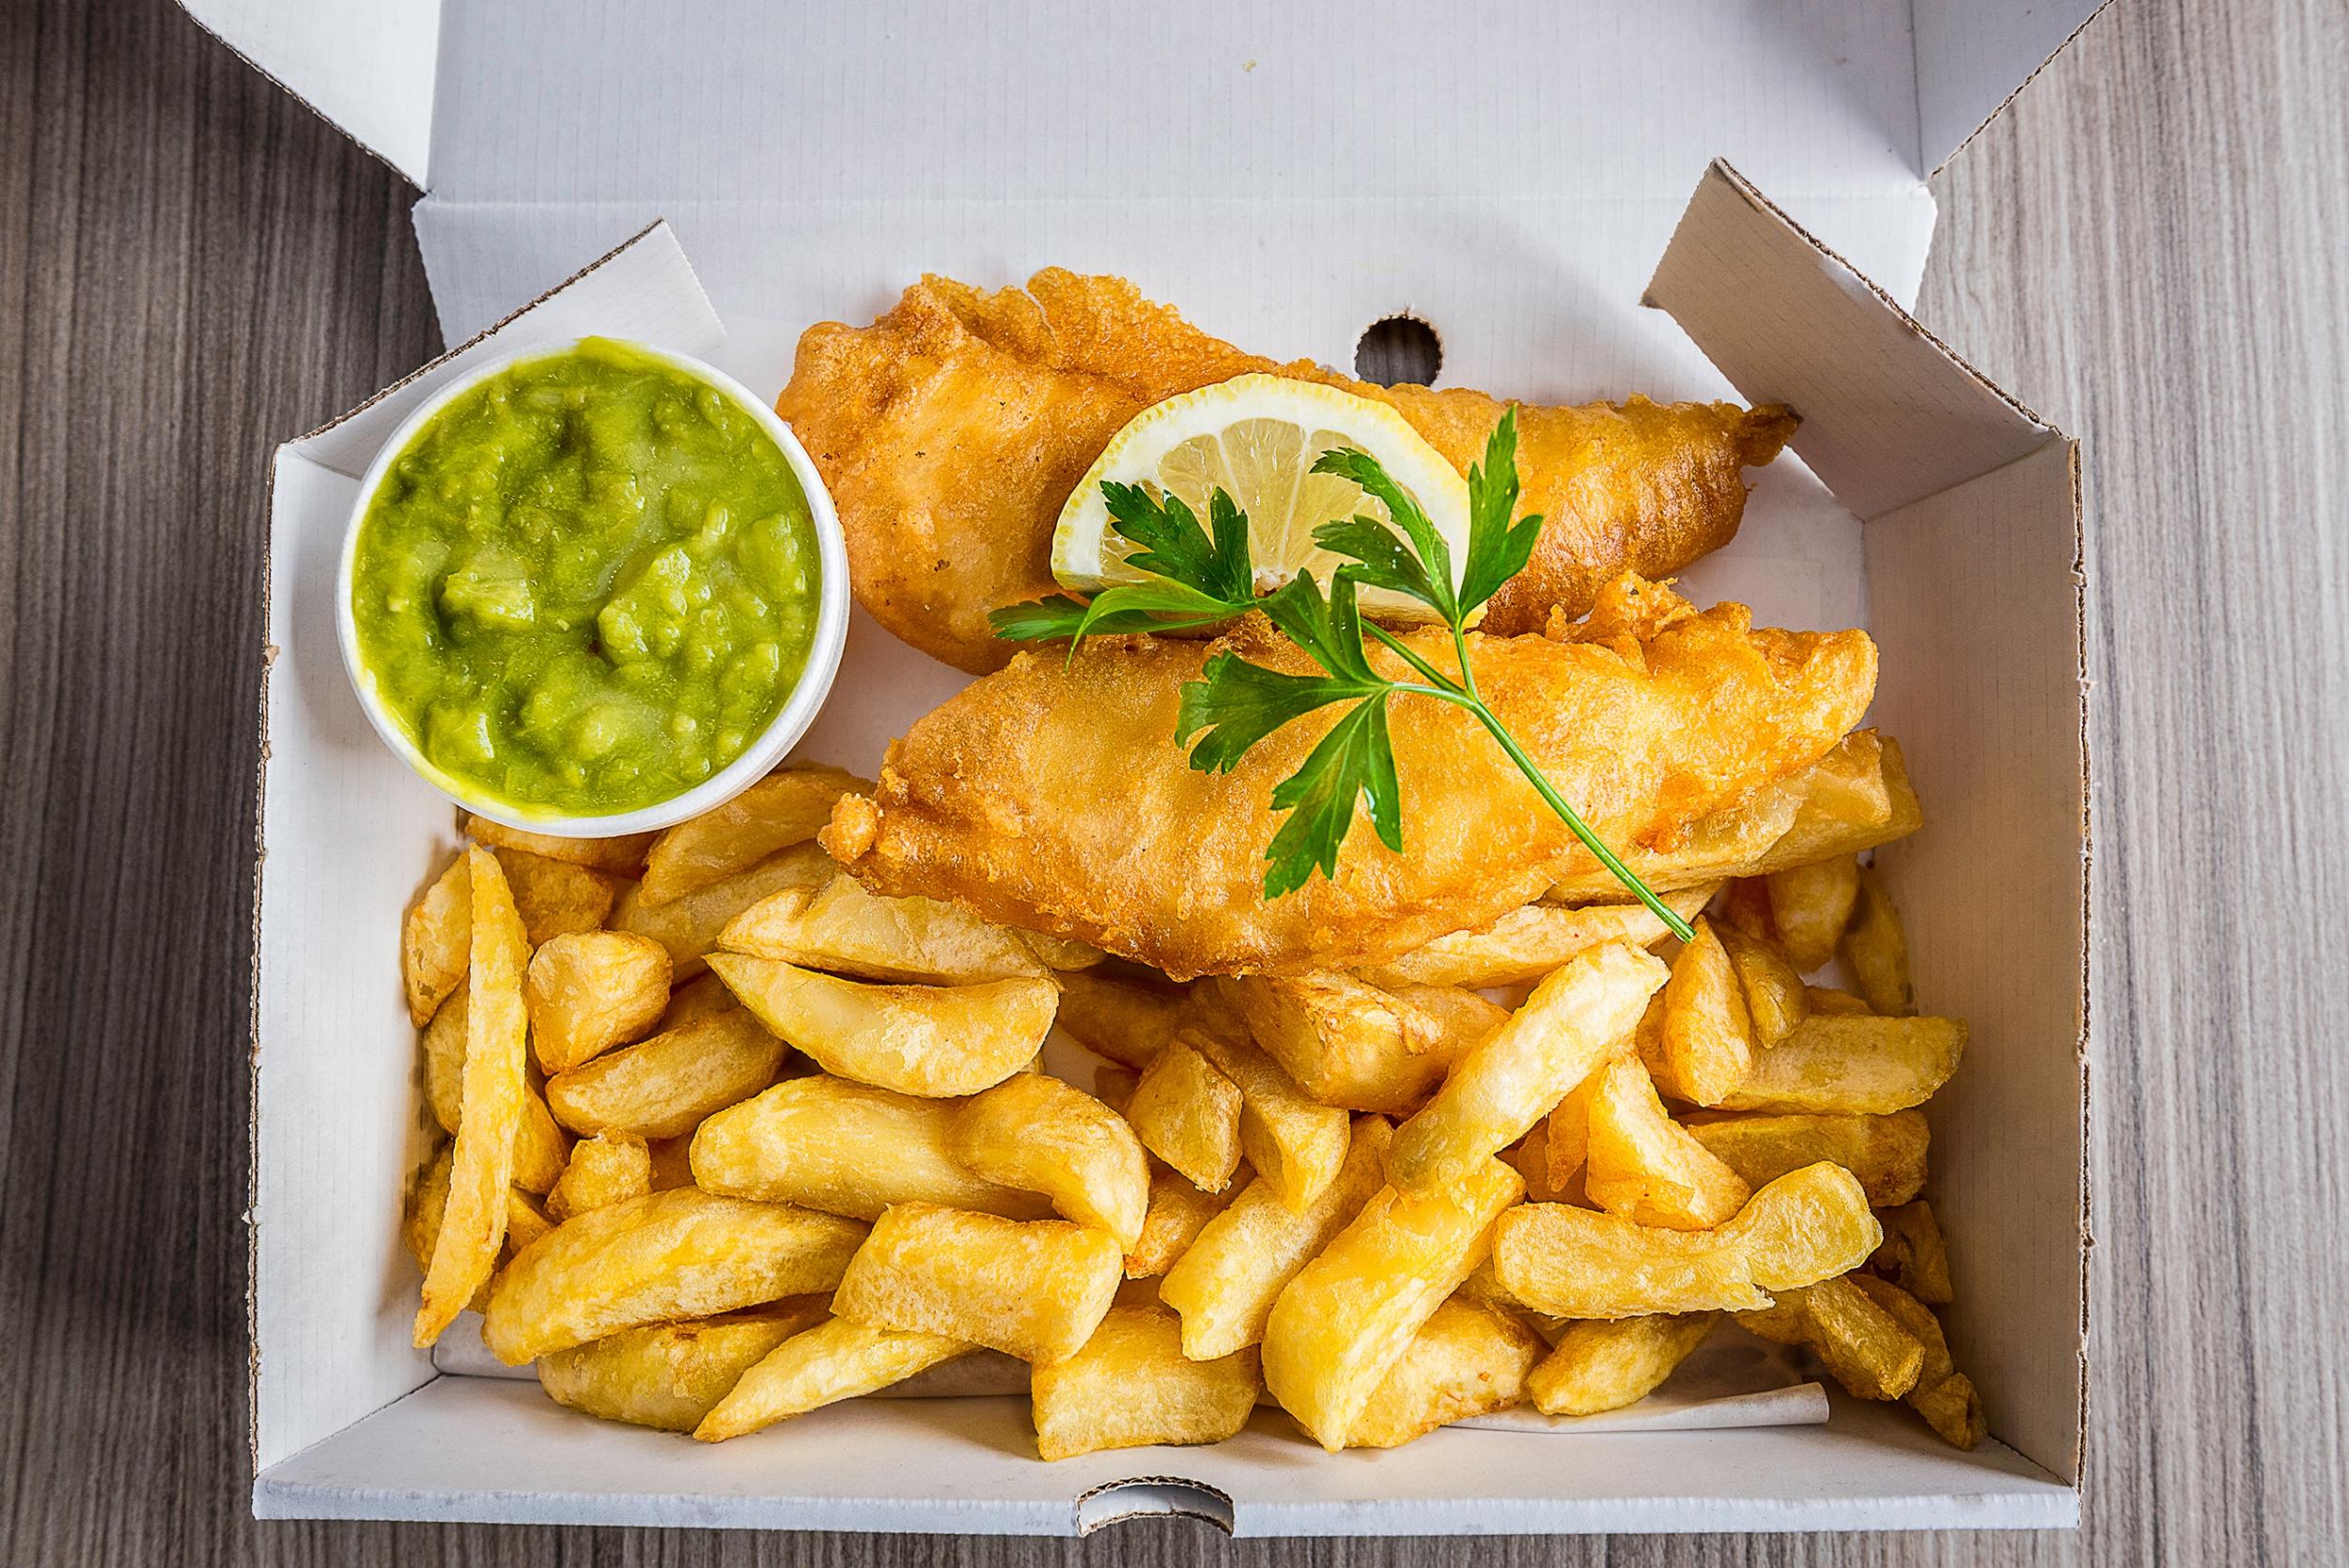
(1053, 795)
(951, 432)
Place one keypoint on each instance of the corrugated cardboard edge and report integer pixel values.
(2088, 942)
(279, 82)
(2008, 101)
(260, 842)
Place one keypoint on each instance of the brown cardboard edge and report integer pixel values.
(1727, 172)
(2086, 992)
(2008, 101)
(405, 177)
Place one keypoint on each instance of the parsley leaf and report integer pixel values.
(1355, 761)
(1496, 552)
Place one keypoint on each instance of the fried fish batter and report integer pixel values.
(1052, 796)
(951, 432)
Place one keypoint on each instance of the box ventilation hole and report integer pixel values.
(1397, 350)
(1152, 1496)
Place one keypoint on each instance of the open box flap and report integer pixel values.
(1974, 56)
(366, 66)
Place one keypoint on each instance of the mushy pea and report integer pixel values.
(587, 583)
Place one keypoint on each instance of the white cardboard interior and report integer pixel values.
(817, 192)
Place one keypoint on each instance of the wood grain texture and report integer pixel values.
(192, 267)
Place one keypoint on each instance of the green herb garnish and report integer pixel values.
(1204, 576)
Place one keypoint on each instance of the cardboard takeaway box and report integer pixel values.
(1287, 175)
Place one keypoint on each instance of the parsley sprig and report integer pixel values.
(1202, 577)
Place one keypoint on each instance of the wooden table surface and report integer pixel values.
(2149, 247)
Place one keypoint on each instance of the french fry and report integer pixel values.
(1351, 1311)
(1855, 798)
(436, 942)
(672, 1161)
(587, 991)
(670, 1374)
(1062, 952)
(1811, 905)
(1224, 1284)
(603, 1170)
(1114, 1086)
(1601, 1364)
(1774, 1000)
(1575, 1019)
(1530, 942)
(1876, 949)
(1468, 1359)
(1943, 1395)
(539, 1147)
(1123, 1020)
(665, 1086)
(1131, 1386)
(1642, 1165)
(1912, 1255)
(935, 1040)
(843, 929)
(688, 925)
(845, 1148)
(1863, 1347)
(660, 1258)
(1566, 1137)
(555, 898)
(1842, 1003)
(1886, 1153)
(427, 1207)
(525, 1221)
(1177, 1212)
(1186, 1113)
(624, 854)
(1035, 1290)
(1344, 1042)
(1462, 1018)
(1573, 1263)
(1853, 1065)
(781, 810)
(695, 999)
(1039, 1133)
(496, 1085)
(1706, 1048)
(1529, 1156)
(1292, 1140)
(836, 1359)
(1746, 907)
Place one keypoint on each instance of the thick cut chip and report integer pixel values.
(664, 1087)
(781, 810)
(1862, 1346)
(844, 930)
(427, 1207)
(1186, 1113)
(1132, 1385)
(1886, 1153)
(1852, 1064)
(624, 854)
(1061, 953)
(555, 898)
(693, 1001)
(525, 1221)
(662, 1258)
(1529, 1156)
(1706, 1048)
(835, 1360)
(1573, 1263)
(1809, 904)
(496, 1087)
(689, 926)
(670, 1375)
(1035, 1290)
(1876, 949)
(1125, 1021)
(1470, 1359)
(1644, 1166)
(1352, 1311)
(608, 1170)
(1176, 1213)
(1575, 1021)
(1600, 1364)
(1114, 1086)
(845, 1148)
(937, 1040)
(1912, 1255)
(1225, 1285)
(1294, 1141)
(436, 942)
(1746, 907)
(591, 990)
(1774, 1000)
(1566, 1135)
(1039, 1133)
(1528, 943)
(1943, 1395)
(1344, 1041)
(539, 1147)
(672, 1161)
(1462, 1017)
(1842, 1003)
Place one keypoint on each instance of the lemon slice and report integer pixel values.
(1256, 438)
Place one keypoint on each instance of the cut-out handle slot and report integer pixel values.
(1152, 1496)
(1397, 350)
